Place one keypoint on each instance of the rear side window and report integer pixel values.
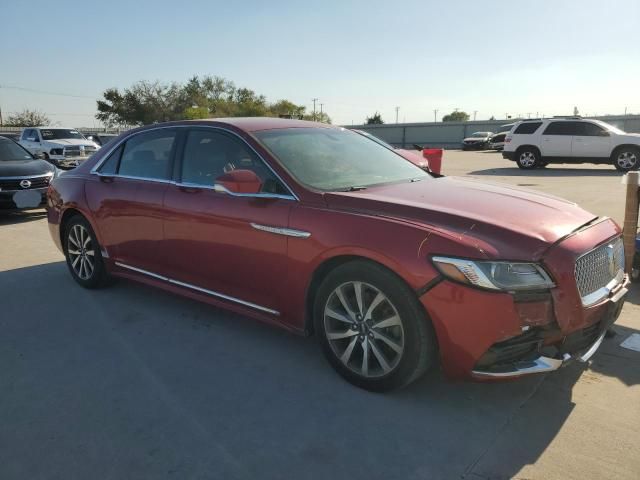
(148, 155)
(499, 137)
(564, 128)
(110, 165)
(527, 128)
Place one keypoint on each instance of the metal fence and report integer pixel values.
(450, 134)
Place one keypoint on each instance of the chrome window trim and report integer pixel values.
(289, 232)
(27, 177)
(199, 289)
(112, 148)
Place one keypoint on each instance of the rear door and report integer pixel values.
(557, 138)
(126, 197)
(592, 142)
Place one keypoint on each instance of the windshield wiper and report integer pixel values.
(417, 179)
(352, 188)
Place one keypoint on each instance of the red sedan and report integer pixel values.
(320, 230)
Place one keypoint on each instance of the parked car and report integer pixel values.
(496, 142)
(101, 138)
(477, 141)
(64, 147)
(23, 179)
(536, 143)
(319, 230)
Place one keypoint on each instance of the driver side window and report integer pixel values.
(208, 154)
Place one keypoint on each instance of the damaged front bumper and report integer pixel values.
(532, 353)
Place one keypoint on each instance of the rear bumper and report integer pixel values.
(509, 155)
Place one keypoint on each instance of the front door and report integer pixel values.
(127, 198)
(229, 246)
(594, 141)
(556, 139)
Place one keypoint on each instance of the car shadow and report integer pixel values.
(549, 171)
(12, 218)
(139, 383)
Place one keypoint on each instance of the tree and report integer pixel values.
(456, 117)
(27, 118)
(375, 119)
(200, 97)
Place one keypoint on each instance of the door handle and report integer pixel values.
(188, 189)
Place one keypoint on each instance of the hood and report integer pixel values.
(491, 220)
(24, 168)
(71, 141)
(631, 137)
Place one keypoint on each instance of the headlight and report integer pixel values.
(508, 276)
(57, 151)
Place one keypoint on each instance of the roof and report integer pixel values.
(254, 124)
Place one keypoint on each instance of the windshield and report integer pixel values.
(610, 127)
(481, 134)
(60, 133)
(11, 152)
(374, 138)
(337, 159)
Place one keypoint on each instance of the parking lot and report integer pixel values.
(131, 382)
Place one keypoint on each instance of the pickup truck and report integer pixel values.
(66, 148)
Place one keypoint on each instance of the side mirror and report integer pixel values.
(31, 139)
(239, 182)
(39, 156)
(603, 133)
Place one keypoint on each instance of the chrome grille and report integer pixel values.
(597, 269)
(79, 151)
(13, 184)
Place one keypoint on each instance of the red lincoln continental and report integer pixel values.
(320, 230)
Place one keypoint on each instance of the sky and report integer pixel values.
(494, 58)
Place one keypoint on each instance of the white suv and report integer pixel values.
(536, 143)
(64, 147)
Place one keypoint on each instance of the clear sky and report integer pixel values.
(357, 57)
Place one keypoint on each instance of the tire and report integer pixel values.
(398, 352)
(626, 159)
(527, 158)
(83, 254)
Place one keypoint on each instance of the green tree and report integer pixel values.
(27, 118)
(200, 97)
(319, 117)
(375, 119)
(456, 117)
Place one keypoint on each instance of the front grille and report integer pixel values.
(14, 183)
(78, 151)
(597, 268)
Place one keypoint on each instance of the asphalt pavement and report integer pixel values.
(132, 382)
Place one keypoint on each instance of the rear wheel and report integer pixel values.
(527, 158)
(372, 329)
(626, 159)
(82, 252)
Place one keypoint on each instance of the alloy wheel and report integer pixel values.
(364, 329)
(81, 252)
(527, 159)
(627, 160)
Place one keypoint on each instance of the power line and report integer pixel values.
(32, 90)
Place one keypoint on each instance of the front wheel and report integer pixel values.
(527, 158)
(626, 159)
(372, 328)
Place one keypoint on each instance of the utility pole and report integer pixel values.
(314, 108)
(528, 115)
(397, 109)
(435, 115)
(1, 124)
(625, 111)
(321, 111)
(474, 115)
